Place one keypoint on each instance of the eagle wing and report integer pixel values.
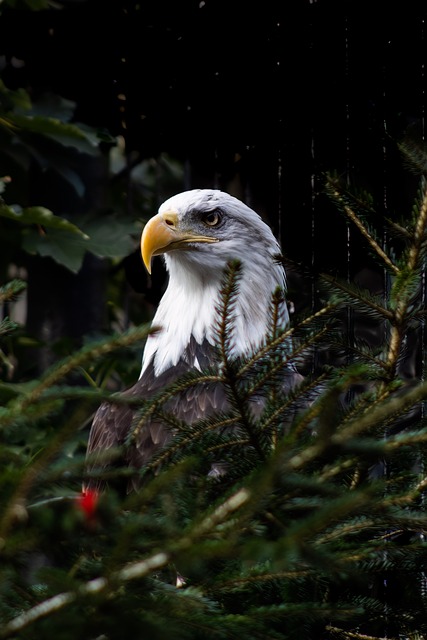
(112, 421)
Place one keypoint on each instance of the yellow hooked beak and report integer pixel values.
(161, 234)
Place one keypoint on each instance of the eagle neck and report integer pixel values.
(188, 309)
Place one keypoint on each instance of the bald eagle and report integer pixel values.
(198, 232)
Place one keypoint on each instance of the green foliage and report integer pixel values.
(316, 528)
(8, 293)
(33, 5)
(39, 216)
(111, 239)
(40, 140)
(43, 135)
(47, 120)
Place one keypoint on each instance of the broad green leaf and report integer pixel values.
(69, 135)
(15, 154)
(33, 5)
(18, 98)
(109, 235)
(68, 249)
(39, 215)
(50, 105)
(71, 177)
(106, 237)
(95, 136)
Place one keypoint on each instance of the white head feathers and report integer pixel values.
(214, 228)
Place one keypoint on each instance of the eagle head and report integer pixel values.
(199, 232)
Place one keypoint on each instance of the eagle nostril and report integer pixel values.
(170, 218)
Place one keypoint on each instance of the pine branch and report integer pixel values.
(275, 328)
(153, 406)
(336, 192)
(33, 474)
(402, 293)
(187, 435)
(61, 370)
(274, 367)
(359, 298)
(381, 413)
(414, 155)
(352, 635)
(420, 227)
(226, 310)
(95, 586)
(282, 405)
(231, 378)
(371, 420)
(7, 326)
(298, 536)
(283, 337)
(133, 571)
(256, 578)
(10, 291)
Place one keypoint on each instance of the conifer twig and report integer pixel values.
(170, 450)
(368, 301)
(397, 333)
(354, 635)
(360, 425)
(133, 571)
(271, 345)
(363, 230)
(97, 585)
(66, 366)
(231, 378)
(172, 390)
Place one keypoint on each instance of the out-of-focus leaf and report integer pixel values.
(71, 177)
(109, 237)
(17, 99)
(41, 216)
(16, 155)
(69, 135)
(50, 105)
(65, 248)
(39, 5)
(96, 136)
(34, 5)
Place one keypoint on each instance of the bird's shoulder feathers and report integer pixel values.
(113, 421)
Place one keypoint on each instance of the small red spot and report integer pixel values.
(87, 502)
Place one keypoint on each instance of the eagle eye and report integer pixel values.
(212, 218)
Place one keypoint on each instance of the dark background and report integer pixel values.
(260, 99)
